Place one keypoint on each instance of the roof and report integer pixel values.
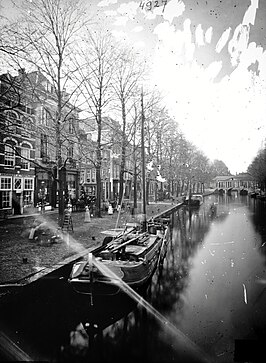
(244, 176)
(224, 177)
(240, 176)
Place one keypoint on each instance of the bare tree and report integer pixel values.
(126, 84)
(46, 35)
(95, 63)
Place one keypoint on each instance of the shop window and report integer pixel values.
(27, 197)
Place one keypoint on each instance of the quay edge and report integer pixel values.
(63, 268)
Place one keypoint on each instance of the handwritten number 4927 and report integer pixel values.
(152, 4)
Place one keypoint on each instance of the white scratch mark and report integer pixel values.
(211, 252)
(245, 294)
(220, 244)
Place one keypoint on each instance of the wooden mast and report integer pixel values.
(144, 226)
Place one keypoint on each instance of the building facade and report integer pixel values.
(29, 144)
(17, 149)
(110, 158)
(238, 182)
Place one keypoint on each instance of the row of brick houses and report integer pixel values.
(28, 147)
(28, 143)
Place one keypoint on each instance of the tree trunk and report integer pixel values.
(54, 187)
(147, 191)
(123, 154)
(135, 187)
(98, 165)
(62, 189)
(155, 192)
(98, 190)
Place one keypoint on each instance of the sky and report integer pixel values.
(208, 59)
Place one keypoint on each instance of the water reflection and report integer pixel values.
(210, 286)
(219, 265)
(258, 210)
(106, 321)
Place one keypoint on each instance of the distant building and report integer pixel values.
(110, 157)
(223, 182)
(244, 180)
(238, 181)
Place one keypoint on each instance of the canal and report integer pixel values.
(206, 301)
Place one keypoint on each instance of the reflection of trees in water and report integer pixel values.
(258, 209)
(134, 327)
(188, 229)
(134, 334)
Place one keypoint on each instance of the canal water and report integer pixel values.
(205, 303)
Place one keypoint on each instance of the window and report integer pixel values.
(17, 183)
(25, 155)
(27, 123)
(93, 177)
(5, 192)
(43, 151)
(28, 191)
(116, 171)
(5, 199)
(11, 122)
(27, 197)
(28, 184)
(105, 154)
(70, 151)
(6, 183)
(44, 116)
(71, 182)
(82, 176)
(88, 176)
(9, 155)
